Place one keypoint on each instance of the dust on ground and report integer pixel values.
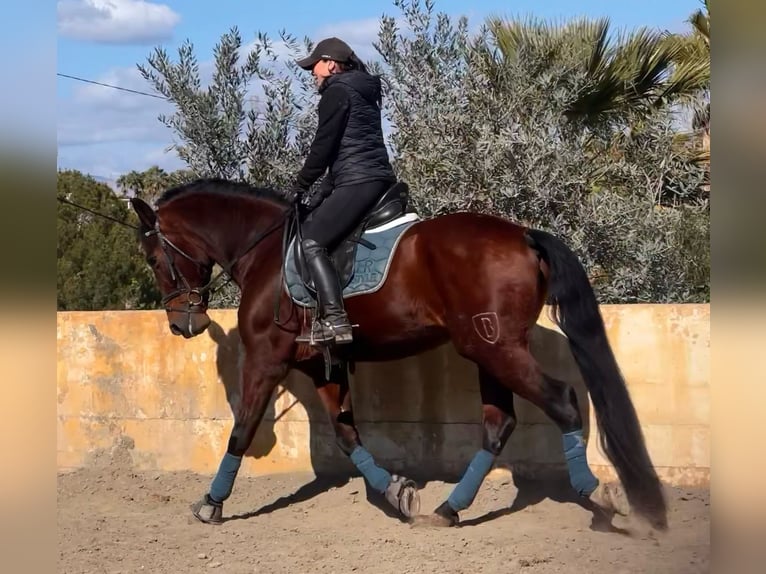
(113, 519)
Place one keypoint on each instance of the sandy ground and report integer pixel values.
(113, 519)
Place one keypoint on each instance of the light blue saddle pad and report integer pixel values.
(370, 265)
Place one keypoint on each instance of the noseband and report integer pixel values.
(195, 297)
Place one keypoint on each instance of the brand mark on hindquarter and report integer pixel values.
(487, 326)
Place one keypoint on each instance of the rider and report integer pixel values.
(349, 147)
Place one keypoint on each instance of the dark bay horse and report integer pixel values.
(477, 281)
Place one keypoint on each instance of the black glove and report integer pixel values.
(295, 194)
(311, 201)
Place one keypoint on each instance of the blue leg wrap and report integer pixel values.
(580, 475)
(465, 491)
(378, 478)
(223, 482)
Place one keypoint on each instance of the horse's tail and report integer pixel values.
(576, 312)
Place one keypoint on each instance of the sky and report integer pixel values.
(107, 132)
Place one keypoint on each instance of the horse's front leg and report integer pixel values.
(258, 383)
(399, 491)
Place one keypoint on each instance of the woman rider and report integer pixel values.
(348, 148)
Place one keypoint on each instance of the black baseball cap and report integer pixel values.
(328, 49)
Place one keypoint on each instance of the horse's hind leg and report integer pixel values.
(516, 371)
(498, 422)
(400, 492)
(519, 371)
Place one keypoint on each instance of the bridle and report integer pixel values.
(196, 297)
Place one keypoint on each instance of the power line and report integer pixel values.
(259, 118)
(111, 86)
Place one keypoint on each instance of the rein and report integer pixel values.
(102, 215)
(195, 297)
(286, 234)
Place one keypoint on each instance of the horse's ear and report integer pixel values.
(145, 212)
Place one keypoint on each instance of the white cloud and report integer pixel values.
(107, 132)
(100, 114)
(97, 96)
(116, 21)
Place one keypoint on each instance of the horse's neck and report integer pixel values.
(233, 233)
(261, 249)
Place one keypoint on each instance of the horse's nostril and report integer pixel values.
(175, 330)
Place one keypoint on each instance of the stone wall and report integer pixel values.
(123, 379)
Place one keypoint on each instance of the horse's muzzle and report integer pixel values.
(188, 325)
(176, 330)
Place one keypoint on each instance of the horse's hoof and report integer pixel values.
(409, 500)
(402, 494)
(442, 517)
(611, 498)
(207, 511)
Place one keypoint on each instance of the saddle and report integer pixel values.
(392, 204)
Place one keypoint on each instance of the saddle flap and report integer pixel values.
(342, 258)
(369, 265)
(392, 204)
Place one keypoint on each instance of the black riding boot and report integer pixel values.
(335, 323)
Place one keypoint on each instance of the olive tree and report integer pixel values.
(555, 126)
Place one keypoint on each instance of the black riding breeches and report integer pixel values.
(338, 215)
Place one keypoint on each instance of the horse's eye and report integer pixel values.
(151, 260)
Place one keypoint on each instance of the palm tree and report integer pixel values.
(634, 73)
(693, 58)
(151, 183)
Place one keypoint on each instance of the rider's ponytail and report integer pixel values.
(354, 63)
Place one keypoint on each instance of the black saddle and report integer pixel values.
(392, 204)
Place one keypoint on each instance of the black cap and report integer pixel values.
(328, 49)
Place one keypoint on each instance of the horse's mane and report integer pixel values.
(221, 186)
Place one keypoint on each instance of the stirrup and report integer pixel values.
(323, 342)
(322, 332)
(342, 334)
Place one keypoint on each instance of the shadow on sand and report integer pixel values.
(534, 491)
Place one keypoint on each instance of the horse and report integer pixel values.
(476, 280)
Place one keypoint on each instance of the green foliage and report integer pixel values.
(542, 124)
(564, 127)
(254, 121)
(692, 69)
(151, 183)
(692, 51)
(282, 122)
(209, 120)
(99, 264)
(225, 129)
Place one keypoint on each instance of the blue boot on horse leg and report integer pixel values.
(563, 408)
(209, 508)
(258, 381)
(608, 497)
(559, 401)
(399, 491)
(498, 421)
